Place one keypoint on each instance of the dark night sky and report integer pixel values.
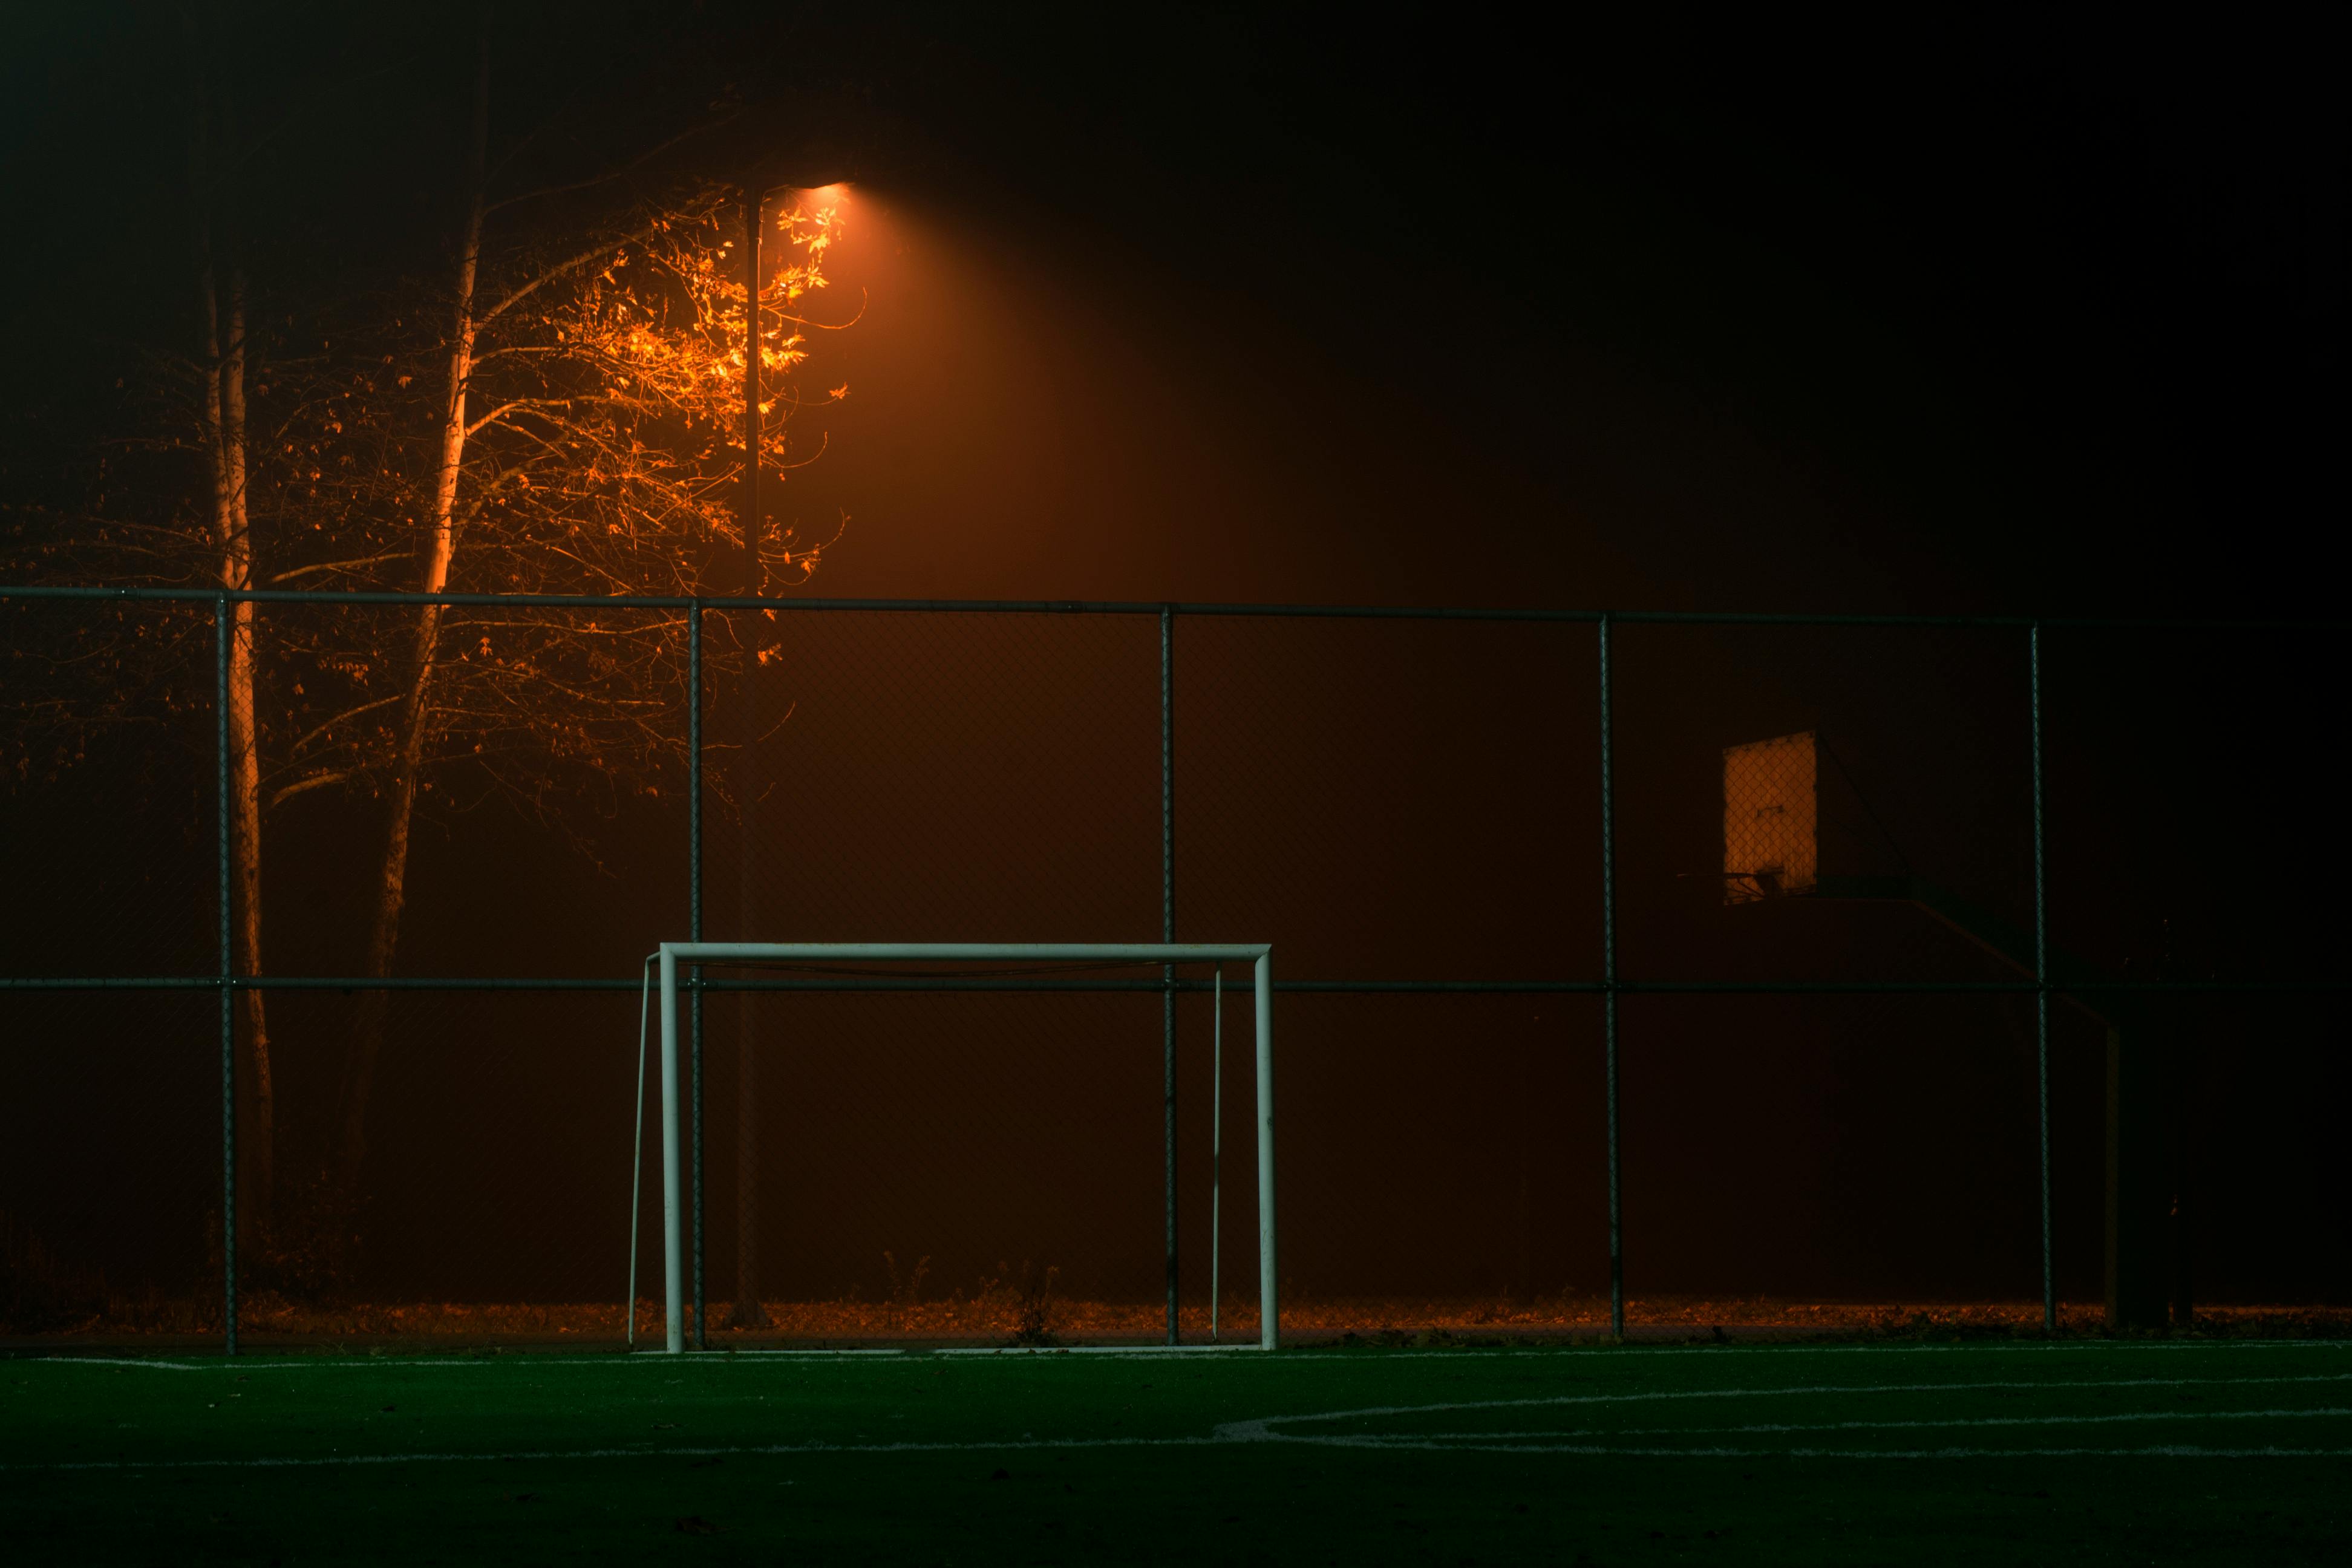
(1198, 303)
(1688, 318)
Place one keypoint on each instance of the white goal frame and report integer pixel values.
(1259, 955)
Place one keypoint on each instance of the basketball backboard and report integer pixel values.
(1770, 812)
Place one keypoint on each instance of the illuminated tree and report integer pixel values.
(586, 437)
(560, 412)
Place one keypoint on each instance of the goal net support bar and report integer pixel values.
(1258, 955)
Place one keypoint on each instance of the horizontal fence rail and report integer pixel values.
(1149, 607)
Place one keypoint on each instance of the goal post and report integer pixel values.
(1258, 955)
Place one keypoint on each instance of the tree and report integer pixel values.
(173, 503)
(222, 430)
(557, 412)
(589, 439)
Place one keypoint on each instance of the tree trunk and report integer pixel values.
(416, 714)
(245, 758)
(223, 352)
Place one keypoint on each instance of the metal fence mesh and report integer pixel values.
(928, 1164)
(974, 777)
(110, 1163)
(1827, 878)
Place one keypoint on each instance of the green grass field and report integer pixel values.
(2151, 1452)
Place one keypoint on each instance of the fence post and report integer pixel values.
(1609, 998)
(694, 922)
(2041, 985)
(694, 1061)
(1168, 932)
(224, 628)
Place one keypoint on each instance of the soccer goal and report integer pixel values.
(672, 956)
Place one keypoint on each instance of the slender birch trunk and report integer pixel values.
(223, 349)
(245, 757)
(367, 1044)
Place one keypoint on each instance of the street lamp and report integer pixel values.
(755, 208)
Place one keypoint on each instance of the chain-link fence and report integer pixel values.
(1633, 972)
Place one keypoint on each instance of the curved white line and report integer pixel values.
(1591, 1432)
(1261, 1430)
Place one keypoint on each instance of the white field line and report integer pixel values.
(788, 1451)
(1762, 1427)
(1024, 1354)
(1262, 1429)
(681, 1452)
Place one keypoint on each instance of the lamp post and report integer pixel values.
(750, 788)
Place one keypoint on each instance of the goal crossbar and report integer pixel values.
(672, 954)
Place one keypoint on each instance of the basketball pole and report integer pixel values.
(1609, 999)
(2041, 982)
